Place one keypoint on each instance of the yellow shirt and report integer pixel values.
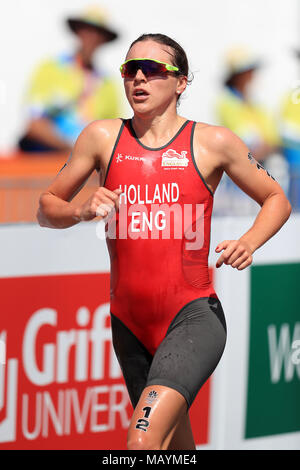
(290, 120)
(249, 121)
(71, 96)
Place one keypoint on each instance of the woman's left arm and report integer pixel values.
(241, 166)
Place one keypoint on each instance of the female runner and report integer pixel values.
(158, 173)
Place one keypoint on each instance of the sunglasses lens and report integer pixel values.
(153, 68)
(148, 67)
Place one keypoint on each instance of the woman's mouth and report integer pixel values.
(139, 94)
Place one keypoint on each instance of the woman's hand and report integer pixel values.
(237, 253)
(101, 203)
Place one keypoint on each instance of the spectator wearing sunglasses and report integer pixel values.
(158, 173)
(67, 92)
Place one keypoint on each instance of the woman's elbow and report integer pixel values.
(40, 218)
(280, 203)
(40, 214)
(288, 208)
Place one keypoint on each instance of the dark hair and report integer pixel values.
(179, 57)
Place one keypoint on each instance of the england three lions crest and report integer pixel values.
(173, 158)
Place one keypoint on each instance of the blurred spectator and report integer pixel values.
(252, 123)
(290, 135)
(67, 92)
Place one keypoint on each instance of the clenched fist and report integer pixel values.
(100, 203)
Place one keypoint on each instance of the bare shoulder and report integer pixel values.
(219, 141)
(216, 137)
(96, 141)
(101, 130)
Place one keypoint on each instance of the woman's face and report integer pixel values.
(159, 92)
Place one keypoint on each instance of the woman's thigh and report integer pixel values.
(135, 362)
(158, 414)
(162, 388)
(191, 349)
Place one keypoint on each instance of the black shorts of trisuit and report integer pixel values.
(186, 357)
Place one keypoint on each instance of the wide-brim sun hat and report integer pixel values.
(239, 60)
(95, 17)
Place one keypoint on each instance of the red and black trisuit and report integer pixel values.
(168, 324)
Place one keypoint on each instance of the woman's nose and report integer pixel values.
(139, 75)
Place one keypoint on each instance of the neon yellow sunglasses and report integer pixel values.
(149, 67)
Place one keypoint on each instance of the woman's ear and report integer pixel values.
(181, 85)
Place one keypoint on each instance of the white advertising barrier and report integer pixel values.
(71, 392)
(257, 385)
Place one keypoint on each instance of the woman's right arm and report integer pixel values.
(56, 209)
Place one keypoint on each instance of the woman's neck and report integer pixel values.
(156, 131)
